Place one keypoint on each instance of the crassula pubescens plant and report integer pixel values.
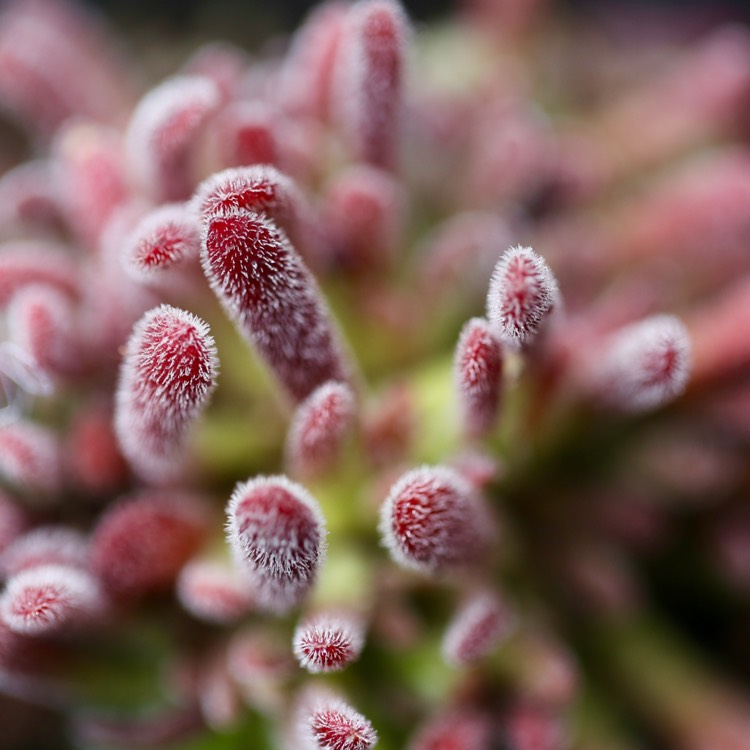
(369, 392)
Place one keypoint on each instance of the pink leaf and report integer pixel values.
(213, 592)
(328, 641)
(365, 216)
(433, 522)
(306, 79)
(369, 79)
(167, 376)
(480, 623)
(319, 428)
(163, 131)
(139, 546)
(45, 598)
(276, 532)
(522, 293)
(163, 241)
(261, 189)
(643, 366)
(326, 722)
(91, 178)
(269, 293)
(478, 370)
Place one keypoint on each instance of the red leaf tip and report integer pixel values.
(45, 598)
(162, 132)
(369, 79)
(522, 293)
(328, 641)
(433, 522)
(140, 545)
(644, 365)
(480, 623)
(267, 290)
(164, 238)
(478, 367)
(276, 532)
(326, 722)
(167, 376)
(319, 427)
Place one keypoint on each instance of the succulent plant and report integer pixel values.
(388, 389)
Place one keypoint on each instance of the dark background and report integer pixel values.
(161, 34)
(207, 17)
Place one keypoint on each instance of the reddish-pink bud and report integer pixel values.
(325, 722)
(433, 522)
(261, 189)
(140, 545)
(91, 177)
(308, 71)
(277, 534)
(213, 592)
(94, 462)
(389, 427)
(457, 730)
(365, 215)
(163, 131)
(328, 641)
(369, 79)
(29, 262)
(246, 134)
(478, 370)
(522, 293)
(480, 623)
(45, 598)
(45, 545)
(643, 366)
(167, 376)
(41, 322)
(319, 428)
(30, 457)
(267, 290)
(163, 241)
